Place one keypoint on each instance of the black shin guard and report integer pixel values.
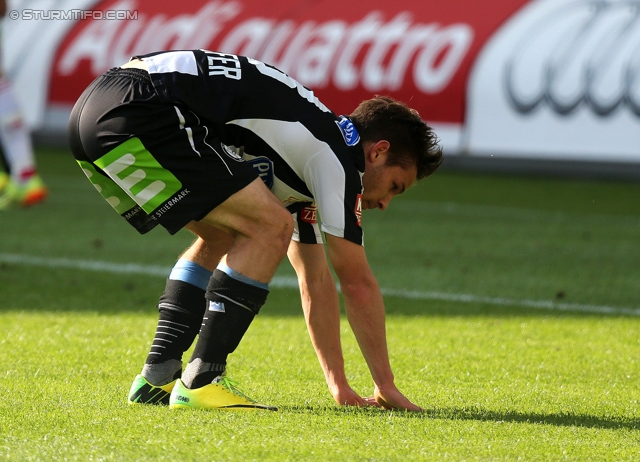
(232, 305)
(181, 309)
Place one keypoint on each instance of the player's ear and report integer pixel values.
(378, 151)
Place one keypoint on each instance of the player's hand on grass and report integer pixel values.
(391, 398)
(371, 401)
(345, 396)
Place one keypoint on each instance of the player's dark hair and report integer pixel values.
(412, 141)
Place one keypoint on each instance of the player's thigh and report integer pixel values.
(252, 212)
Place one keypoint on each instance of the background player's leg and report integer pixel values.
(25, 186)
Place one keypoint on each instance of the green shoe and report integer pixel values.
(221, 394)
(142, 392)
(32, 192)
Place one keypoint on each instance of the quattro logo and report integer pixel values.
(139, 174)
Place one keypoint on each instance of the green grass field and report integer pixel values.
(513, 319)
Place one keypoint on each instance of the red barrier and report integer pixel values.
(419, 52)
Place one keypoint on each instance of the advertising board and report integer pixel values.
(553, 79)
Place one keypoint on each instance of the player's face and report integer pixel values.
(381, 183)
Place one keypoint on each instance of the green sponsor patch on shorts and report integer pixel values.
(136, 172)
(112, 193)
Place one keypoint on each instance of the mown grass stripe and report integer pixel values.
(288, 282)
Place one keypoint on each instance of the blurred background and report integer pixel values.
(538, 86)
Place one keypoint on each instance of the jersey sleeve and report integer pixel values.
(337, 190)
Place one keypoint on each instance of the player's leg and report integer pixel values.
(238, 288)
(154, 164)
(252, 240)
(24, 187)
(101, 137)
(182, 306)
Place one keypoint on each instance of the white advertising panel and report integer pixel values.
(561, 79)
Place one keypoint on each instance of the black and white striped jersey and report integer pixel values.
(310, 158)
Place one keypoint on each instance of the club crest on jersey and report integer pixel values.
(358, 209)
(348, 130)
(264, 168)
(231, 153)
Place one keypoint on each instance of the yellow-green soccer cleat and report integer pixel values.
(26, 194)
(142, 392)
(221, 394)
(32, 192)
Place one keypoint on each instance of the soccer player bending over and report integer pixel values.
(253, 164)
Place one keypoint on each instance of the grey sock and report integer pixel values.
(198, 367)
(162, 373)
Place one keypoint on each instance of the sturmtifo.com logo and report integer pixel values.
(75, 15)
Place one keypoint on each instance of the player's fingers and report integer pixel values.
(370, 401)
(350, 399)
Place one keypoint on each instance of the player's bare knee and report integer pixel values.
(283, 230)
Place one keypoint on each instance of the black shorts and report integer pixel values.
(153, 162)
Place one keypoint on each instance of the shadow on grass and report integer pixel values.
(557, 419)
(564, 419)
